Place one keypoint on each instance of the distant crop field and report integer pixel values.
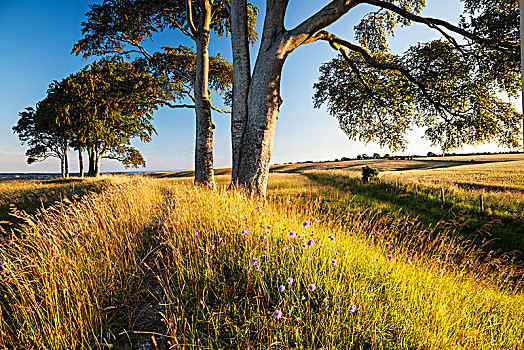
(497, 175)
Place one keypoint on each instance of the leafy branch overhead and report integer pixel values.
(451, 87)
(123, 27)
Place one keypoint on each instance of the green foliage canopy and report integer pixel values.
(451, 89)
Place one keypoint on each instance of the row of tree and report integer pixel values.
(448, 86)
(97, 110)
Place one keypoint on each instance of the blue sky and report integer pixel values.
(36, 38)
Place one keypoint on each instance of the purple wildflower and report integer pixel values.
(223, 243)
(284, 249)
(332, 238)
(278, 272)
(370, 244)
(303, 245)
(278, 314)
(390, 257)
(289, 281)
(268, 227)
(245, 232)
(303, 298)
(202, 250)
(308, 259)
(310, 242)
(352, 308)
(292, 234)
(212, 246)
(299, 319)
(315, 219)
(299, 237)
(311, 287)
(257, 267)
(258, 236)
(254, 260)
(196, 233)
(292, 248)
(305, 224)
(388, 245)
(333, 262)
(282, 288)
(264, 237)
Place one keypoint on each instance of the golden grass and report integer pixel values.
(64, 276)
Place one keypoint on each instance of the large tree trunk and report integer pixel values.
(263, 104)
(80, 163)
(241, 80)
(264, 101)
(204, 126)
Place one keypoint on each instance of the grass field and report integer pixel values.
(145, 262)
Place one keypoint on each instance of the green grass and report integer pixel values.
(84, 274)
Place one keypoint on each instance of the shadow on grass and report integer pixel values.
(43, 195)
(503, 234)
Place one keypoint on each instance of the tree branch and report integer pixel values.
(227, 6)
(177, 106)
(189, 15)
(329, 14)
(218, 109)
(435, 22)
(337, 44)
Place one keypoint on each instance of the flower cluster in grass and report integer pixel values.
(364, 286)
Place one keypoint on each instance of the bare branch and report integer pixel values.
(218, 109)
(329, 14)
(170, 105)
(189, 15)
(227, 6)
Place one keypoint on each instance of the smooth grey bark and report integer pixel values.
(241, 80)
(204, 174)
(264, 98)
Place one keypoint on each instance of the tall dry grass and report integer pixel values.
(380, 283)
(66, 270)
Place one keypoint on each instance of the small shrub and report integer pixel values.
(369, 173)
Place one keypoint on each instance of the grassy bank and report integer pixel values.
(360, 279)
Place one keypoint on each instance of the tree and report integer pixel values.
(110, 102)
(100, 109)
(258, 111)
(43, 135)
(121, 27)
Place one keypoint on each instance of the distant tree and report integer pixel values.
(431, 154)
(43, 135)
(110, 102)
(369, 174)
(365, 156)
(100, 109)
(122, 27)
(376, 156)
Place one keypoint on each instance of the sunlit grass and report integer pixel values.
(64, 272)
(418, 293)
(380, 281)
